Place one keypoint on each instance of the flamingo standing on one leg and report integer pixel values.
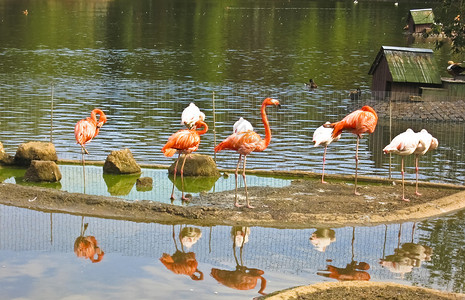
(403, 144)
(88, 128)
(323, 136)
(426, 143)
(357, 122)
(184, 141)
(245, 142)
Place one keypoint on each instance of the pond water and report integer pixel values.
(124, 186)
(37, 258)
(142, 62)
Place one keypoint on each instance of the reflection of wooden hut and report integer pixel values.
(419, 20)
(403, 72)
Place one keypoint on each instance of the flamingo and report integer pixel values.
(242, 125)
(190, 115)
(323, 136)
(88, 128)
(246, 142)
(426, 143)
(184, 141)
(403, 144)
(357, 122)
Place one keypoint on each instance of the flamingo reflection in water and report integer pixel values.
(86, 246)
(322, 238)
(243, 278)
(406, 256)
(181, 262)
(353, 270)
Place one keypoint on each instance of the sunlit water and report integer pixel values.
(143, 62)
(124, 186)
(37, 260)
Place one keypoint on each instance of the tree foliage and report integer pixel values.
(450, 21)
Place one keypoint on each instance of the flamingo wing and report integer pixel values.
(184, 140)
(85, 130)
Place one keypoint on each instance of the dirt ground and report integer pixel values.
(306, 203)
(360, 290)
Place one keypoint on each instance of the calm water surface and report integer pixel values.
(142, 62)
(37, 258)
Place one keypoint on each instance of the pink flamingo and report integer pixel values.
(190, 115)
(88, 128)
(246, 142)
(403, 144)
(323, 136)
(426, 143)
(184, 141)
(358, 122)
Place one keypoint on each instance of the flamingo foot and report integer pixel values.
(250, 206)
(238, 205)
(357, 193)
(417, 193)
(322, 181)
(405, 199)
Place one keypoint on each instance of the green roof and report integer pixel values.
(422, 16)
(414, 65)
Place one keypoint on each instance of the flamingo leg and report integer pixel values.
(245, 184)
(175, 171)
(356, 166)
(236, 174)
(324, 161)
(417, 157)
(403, 188)
(83, 151)
(182, 177)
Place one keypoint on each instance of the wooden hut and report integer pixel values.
(420, 20)
(401, 72)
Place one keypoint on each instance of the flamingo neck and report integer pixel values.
(200, 124)
(102, 117)
(267, 139)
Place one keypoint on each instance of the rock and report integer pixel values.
(120, 185)
(41, 170)
(144, 184)
(196, 165)
(5, 159)
(121, 162)
(30, 151)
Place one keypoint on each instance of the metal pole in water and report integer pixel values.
(390, 135)
(51, 114)
(214, 121)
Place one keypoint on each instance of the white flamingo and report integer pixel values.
(426, 143)
(403, 144)
(323, 136)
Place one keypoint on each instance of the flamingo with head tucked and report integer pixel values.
(86, 129)
(323, 136)
(184, 141)
(245, 142)
(403, 144)
(426, 143)
(190, 115)
(358, 122)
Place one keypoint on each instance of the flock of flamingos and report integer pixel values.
(245, 140)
